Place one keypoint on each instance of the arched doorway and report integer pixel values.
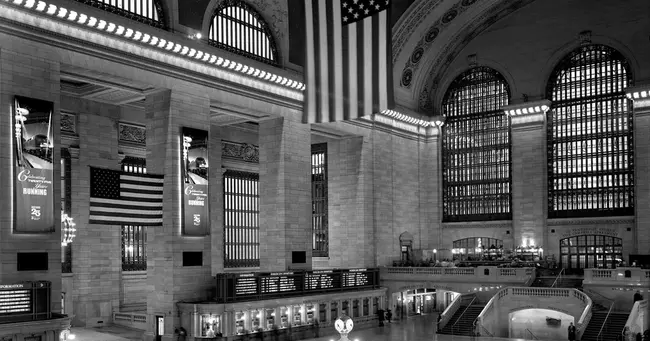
(405, 244)
(590, 251)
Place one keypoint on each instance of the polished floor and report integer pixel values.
(418, 328)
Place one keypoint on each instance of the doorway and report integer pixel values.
(160, 327)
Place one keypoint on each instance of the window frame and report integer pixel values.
(157, 4)
(249, 246)
(320, 220)
(473, 192)
(134, 236)
(264, 29)
(569, 148)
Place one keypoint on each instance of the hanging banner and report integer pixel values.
(194, 172)
(33, 173)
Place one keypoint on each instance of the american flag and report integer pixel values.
(121, 198)
(348, 66)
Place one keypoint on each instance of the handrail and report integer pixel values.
(605, 321)
(446, 314)
(461, 315)
(556, 278)
(531, 334)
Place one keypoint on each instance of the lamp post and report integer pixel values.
(438, 122)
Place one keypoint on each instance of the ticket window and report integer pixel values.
(297, 315)
(366, 312)
(256, 320)
(334, 310)
(269, 318)
(284, 317)
(210, 325)
(322, 312)
(311, 311)
(355, 308)
(345, 309)
(240, 320)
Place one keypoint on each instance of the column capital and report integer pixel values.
(640, 94)
(528, 112)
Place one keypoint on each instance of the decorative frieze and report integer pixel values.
(131, 133)
(68, 123)
(240, 151)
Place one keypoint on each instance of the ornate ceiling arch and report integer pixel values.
(428, 38)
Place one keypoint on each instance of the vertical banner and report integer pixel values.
(194, 173)
(33, 174)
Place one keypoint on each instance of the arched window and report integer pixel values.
(476, 148)
(238, 28)
(149, 12)
(590, 144)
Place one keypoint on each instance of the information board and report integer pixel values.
(356, 278)
(246, 285)
(319, 280)
(15, 300)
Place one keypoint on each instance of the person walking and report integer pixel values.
(572, 332)
(380, 316)
(389, 315)
(638, 296)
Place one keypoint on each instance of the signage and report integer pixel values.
(579, 231)
(195, 176)
(15, 301)
(293, 283)
(33, 168)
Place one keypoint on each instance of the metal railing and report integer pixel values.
(599, 337)
(461, 315)
(532, 336)
(559, 276)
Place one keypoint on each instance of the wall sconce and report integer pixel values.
(196, 35)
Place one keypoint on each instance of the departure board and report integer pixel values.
(279, 282)
(246, 284)
(356, 278)
(325, 279)
(241, 287)
(14, 298)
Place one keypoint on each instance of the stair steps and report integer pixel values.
(463, 325)
(612, 329)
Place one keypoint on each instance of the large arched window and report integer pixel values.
(476, 148)
(147, 11)
(238, 28)
(590, 144)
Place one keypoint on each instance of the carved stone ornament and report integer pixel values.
(240, 151)
(68, 123)
(131, 133)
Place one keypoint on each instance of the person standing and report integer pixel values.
(572, 332)
(380, 316)
(389, 315)
(638, 296)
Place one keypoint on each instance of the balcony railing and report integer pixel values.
(478, 274)
(620, 275)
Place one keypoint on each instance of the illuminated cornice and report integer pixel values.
(641, 92)
(527, 108)
(179, 46)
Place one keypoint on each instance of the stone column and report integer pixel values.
(431, 184)
(528, 154)
(169, 282)
(640, 96)
(285, 193)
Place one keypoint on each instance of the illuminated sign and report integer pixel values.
(33, 166)
(293, 283)
(195, 175)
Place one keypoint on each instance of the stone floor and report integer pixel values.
(109, 333)
(418, 328)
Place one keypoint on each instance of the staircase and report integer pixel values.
(463, 325)
(612, 327)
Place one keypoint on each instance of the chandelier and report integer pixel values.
(67, 229)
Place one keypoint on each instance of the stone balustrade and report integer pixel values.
(633, 276)
(479, 274)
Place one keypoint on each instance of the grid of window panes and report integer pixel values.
(590, 144)
(134, 248)
(66, 206)
(133, 164)
(478, 248)
(145, 11)
(241, 219)
(320, 237)
(476, 148)
(590, 251)
(239, 28)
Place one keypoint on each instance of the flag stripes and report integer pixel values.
(348, 69)
(120, 198)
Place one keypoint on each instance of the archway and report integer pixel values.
(539, 324)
